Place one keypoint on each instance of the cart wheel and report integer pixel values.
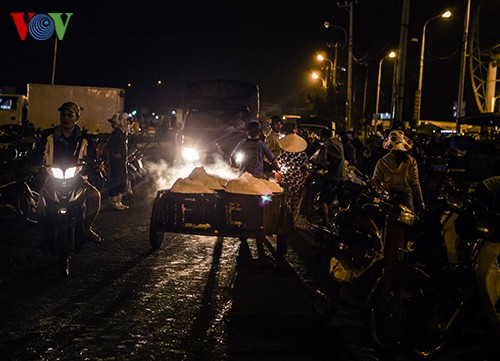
(156, 238)
(281, 246)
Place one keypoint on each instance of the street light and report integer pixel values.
(418, 94)
(391, 55)
(332, 68)
(315, 76)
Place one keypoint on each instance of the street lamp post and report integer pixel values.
(348, 120)
(418, 94)
(391, 55)
(330, 77)
(315, 75)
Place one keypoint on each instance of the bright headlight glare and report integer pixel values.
(60, 174)
(70, 172)
(190, 154)
(56, 172)
(239, 157)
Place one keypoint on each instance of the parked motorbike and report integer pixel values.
(137, 174)
(366, 266)
(62, 215)
(20, 196)
(309, 205)
(395, 298)
(466, 270)
(16, 143)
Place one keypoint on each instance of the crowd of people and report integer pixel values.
(289, 154)
(390, 159)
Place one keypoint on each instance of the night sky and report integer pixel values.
(271, 43)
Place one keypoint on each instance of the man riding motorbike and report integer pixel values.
(68, 144)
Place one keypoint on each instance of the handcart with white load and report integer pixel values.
(236, 209)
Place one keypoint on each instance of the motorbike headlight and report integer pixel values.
(190, 154)
(71, 172)
(56, 172)
(64, 174)
(239, 158)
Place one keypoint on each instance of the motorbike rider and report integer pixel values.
(397, 171)
(67, 143)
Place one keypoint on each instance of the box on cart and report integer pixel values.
(244, 213)
(221, 213)
(187, 213)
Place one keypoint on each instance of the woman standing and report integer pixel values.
(292, 163)
(117, 151)
(397, 171)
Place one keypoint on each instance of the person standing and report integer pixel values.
(334, 165)
(117, 153)
(249, 153)
(397, 171)
(349, 150)
(273, 136)
(292, 162)
(249, 156)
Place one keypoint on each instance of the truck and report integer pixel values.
(215, 115)
(39, 106)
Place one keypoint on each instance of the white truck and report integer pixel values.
(39, 106)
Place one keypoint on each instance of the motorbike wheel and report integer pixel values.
(437, 323)
(390, 319)
(26, 205)
(65, 234)
(323, 307)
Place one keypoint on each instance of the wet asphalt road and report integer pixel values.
(190, 300)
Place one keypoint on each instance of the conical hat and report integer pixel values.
(397, 141)
(292, 143)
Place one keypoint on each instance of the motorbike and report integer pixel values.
(309, 205)
(20, 196)
(464, 268)
(365, 267)
(137, 174)
(62, 213)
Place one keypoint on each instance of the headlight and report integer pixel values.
(239, 158)
(63, 174)
(190, 154)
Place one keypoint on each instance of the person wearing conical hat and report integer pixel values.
(397, 171)
(292, 162)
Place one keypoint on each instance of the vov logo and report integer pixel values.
(41, 26)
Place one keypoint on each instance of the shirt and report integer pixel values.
(399, 178)
(253, 152)
(55, 149)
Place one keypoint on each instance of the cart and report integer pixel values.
(221, 214)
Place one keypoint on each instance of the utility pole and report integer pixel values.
(461, 83)
(54, 62)
(397, 121)
(348, 116)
